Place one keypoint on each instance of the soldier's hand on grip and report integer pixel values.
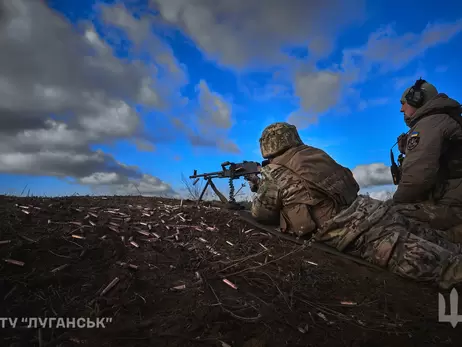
(253, 182)
(402, 141)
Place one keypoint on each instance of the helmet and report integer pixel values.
(278, 138)
(429, 91)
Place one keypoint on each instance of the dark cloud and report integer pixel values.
(62, 91)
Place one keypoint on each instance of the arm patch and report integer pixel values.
(413, 141)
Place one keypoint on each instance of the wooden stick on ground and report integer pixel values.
(110, 286)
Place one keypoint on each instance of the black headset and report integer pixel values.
(415, 96)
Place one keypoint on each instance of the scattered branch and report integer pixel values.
(194, 190)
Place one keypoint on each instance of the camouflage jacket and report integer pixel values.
(432, 168)
(301, 189)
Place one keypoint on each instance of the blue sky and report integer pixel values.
(137, 93)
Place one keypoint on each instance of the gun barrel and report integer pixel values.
(208, 174)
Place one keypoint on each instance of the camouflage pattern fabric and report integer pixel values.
(378, 233)
(283, 197)
(266, 205)
(313, 185)
(442, 217)
(448, 219)
(279, 200)
(277, 138)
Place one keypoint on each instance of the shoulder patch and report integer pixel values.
(413, 141)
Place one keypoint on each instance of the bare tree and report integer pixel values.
(389, 195)
(240, 193)
(194, 190)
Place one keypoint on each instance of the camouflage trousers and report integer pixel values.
(380, 234)
(440, 217)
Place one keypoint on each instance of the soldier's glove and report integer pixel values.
(402, 142)
(254, 181)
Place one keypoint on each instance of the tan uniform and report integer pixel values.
(303, 188)
(308, 193)
(367, 228)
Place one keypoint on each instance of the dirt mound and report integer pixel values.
(157, 273)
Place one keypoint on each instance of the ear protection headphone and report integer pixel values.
(415, 96)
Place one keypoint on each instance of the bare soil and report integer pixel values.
(175, 293)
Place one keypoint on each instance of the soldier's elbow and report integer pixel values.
(408, 194)
(264, 217)
(257, 215)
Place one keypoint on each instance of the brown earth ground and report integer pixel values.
(174, 294)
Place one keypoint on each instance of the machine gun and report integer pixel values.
(231, 171)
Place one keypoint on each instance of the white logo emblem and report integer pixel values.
(453, 317)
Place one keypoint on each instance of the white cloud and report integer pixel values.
(213, 108)
(246, 34)
(63, 91)
(302, 119)
(211, 122)
(381, 195)
(385, 51)
(101, 178)
(58, 103)
(64, 163)
(392, 51)
(376, 174)
(147, 185)
(60, 93)
(242, 32)
(317, 90)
